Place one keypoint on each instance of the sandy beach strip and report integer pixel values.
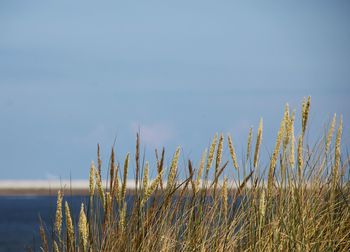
(47, 187)
(69, 187)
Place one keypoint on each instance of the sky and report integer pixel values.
(77, 73)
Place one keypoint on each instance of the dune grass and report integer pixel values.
(298, 201)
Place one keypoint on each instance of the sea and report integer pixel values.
(20, 219)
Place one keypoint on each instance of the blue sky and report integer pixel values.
(74, 73)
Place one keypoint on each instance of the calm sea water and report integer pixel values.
(19, 219)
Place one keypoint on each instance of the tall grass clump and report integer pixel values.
(294, 199)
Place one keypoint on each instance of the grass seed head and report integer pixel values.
(69, 225)
(173, 169)
(116, 190)
(108, 207)
(200, 171)
(305, 113)
(145, 177)
(55, 247)
(232, 152)
(258, 143)
(337, 148)
(211, 152)
(330, 133)
(249, 143)
(225, 198)
(83, 228)
(100, 188)
(292, 141)
(125, 176)
(58, 221)
(45, 245)
(286, 128)
(122, 217)
(219, 153)
(300, 155)
(91, 179)
(99, 161)
(111, 169)
(152, 188)
(274, 157)
(262, 204)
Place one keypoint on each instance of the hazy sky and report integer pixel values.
(74, 73)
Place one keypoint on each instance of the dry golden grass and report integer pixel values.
(276, 207)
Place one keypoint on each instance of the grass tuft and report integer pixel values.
(274, 207)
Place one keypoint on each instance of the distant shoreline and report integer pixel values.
(39, 192)
(42, 187)
(51, 187)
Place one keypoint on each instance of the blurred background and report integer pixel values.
(77, 73)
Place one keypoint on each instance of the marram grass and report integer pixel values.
(286, 204)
